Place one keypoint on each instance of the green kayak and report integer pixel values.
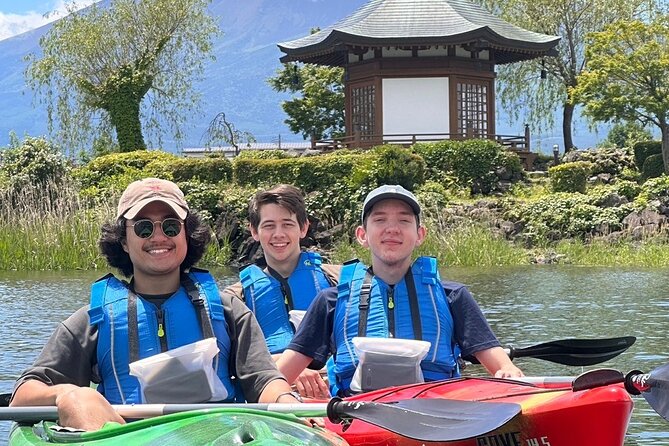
(198, 427)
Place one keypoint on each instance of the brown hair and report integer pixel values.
(284, 195)
(198, 236)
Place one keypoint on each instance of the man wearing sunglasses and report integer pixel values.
(155, 240)
(292, 279)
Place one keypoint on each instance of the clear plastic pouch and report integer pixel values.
(296, 317)
(182, 375)
(385, 362)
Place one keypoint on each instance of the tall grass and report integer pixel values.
(463, 245)
(649, 252)
(49, 228)
(53, 227)
(470, 244)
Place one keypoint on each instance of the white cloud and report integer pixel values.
(13, 24)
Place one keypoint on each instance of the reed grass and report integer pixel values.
(463, 245)
(50, 227)
(53, 227)
(651, 252)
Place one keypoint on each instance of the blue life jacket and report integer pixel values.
(271, 298)
(191, 314)
(393, 312)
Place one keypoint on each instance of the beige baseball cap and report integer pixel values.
(142, 192)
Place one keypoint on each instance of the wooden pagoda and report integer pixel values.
(420, 69)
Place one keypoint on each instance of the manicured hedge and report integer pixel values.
(644, 149)
(653, 166)
(476, 164)
(570, 177)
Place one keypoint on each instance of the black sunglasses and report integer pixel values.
(144, 228)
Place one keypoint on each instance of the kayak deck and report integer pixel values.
(550, 416)
(199, 427)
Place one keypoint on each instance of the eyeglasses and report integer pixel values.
(144, 228)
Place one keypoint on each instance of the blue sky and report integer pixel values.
(17, 16)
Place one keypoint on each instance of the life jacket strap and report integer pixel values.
(285, 288)
(133, 336)
(413, 305)
(363, 304)
(199, 303)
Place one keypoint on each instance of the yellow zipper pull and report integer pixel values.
(391, 302)
(161, 332)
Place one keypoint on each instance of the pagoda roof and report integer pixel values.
(419, 23)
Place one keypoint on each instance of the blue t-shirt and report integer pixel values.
(471, 330)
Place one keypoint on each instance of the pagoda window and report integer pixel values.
(472, 108)
(363, 110)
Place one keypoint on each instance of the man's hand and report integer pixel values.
(310, 384)
(498, 364)
(510, 371)
(85, 408)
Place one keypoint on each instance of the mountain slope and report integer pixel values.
(235, 83)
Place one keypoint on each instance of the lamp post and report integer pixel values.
(556, 154)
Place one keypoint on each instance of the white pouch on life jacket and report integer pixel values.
(385, 362)
(181, 375)
(296, 317)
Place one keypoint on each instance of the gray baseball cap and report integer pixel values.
(390, 191)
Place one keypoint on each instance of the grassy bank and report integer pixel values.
(475, 246)
(53, 228)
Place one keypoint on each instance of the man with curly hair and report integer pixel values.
(155, 240)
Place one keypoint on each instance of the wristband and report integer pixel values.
(294, 394)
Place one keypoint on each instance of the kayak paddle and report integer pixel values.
(419, 419)
(577, 352)
(653, 386)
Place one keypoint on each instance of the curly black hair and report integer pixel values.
(198, 236)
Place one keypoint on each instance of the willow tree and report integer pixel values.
(627, 77)
(122, 67)
(539, 87)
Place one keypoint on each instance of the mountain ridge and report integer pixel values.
(235, 83)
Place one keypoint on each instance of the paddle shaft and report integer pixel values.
(50, 413)
(449, 420)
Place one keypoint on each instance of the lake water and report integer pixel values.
(524, 305)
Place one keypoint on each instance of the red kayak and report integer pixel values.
(552, 414)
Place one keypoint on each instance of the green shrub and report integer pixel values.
(562, 215)
(263, 154)
(644, 149)
(307, 173)
(397, 165)
(570, 177)
(608, 160)
(653, 167)
(654, 190)
(204, 197)
(34, 161)
(475, 164)
(209, 170)
(108, 170)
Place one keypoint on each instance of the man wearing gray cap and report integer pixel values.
(394, 298)
(168, 306)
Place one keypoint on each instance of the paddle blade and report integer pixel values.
(654, 387)
(576, 352)
(597, 378)
(427, 419)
